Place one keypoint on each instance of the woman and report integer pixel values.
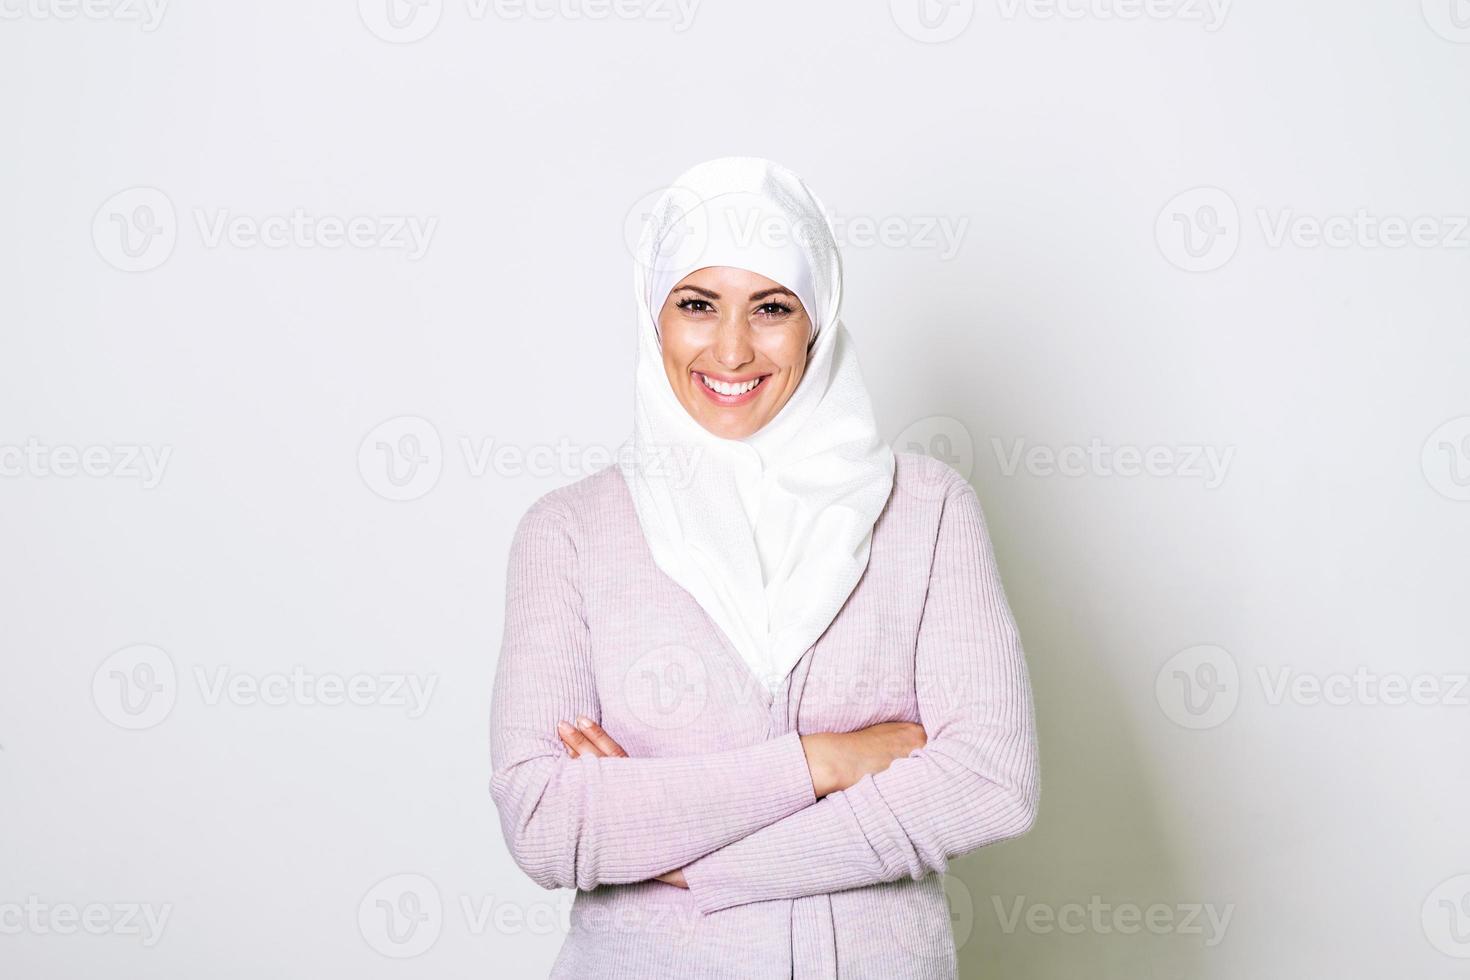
(759, 680)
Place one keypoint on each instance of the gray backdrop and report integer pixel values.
(303, 305)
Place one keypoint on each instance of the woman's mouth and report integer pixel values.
(729, 393)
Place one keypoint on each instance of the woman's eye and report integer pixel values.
(689, 304)
(774, 309)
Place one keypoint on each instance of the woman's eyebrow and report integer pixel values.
(710, 293)
(770, 292)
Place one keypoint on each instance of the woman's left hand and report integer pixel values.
(588, 738)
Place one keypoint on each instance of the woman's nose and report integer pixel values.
(732, 343)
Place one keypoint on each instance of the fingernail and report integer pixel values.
(584, 722)
(563, 728)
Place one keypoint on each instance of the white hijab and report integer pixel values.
(769, 533)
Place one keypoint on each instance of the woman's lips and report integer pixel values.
(728, 401)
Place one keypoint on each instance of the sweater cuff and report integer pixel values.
(881, 828)
(781, 767)
(820, 849)
(704, 879)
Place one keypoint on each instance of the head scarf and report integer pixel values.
(769, 533)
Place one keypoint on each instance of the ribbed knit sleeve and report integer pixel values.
(974, 782)
(579, 823)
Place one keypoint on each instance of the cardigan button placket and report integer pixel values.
(813, 937)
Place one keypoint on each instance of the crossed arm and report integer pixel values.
(589, 821)
(747, 825)
(836, 760)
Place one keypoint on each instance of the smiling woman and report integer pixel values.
(733, 339)
(753, 713)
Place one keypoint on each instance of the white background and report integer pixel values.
(1094, 292)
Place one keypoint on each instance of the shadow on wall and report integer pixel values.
(1091, 891)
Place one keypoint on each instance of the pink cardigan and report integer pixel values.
(780, 884)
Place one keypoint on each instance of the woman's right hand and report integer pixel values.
(838, 760)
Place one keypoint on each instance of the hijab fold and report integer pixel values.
(770, 533)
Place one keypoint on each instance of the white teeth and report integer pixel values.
(725, 388)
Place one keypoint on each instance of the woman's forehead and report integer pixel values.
(733, 277)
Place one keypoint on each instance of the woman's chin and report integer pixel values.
(729, 431)
(728, 424)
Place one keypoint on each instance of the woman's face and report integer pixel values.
(733, 326)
